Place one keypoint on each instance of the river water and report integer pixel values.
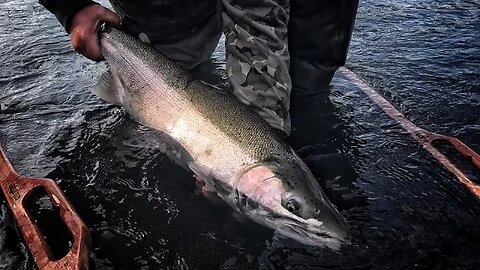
(404, 210)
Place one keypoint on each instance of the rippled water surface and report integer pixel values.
(404, 210)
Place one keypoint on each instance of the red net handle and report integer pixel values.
(17, 189)
(424, 137)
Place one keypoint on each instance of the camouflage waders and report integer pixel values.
(258, 58)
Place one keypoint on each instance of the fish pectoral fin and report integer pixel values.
(210, 180)
(204, 174)
(109, 88)
(241, 217)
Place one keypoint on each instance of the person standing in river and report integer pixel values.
(274, 48)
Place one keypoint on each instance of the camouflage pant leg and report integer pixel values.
(257, 56)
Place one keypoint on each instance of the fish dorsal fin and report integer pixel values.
(109, 88)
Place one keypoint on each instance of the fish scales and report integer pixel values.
(174, 109)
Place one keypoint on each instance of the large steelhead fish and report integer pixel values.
(230, 147)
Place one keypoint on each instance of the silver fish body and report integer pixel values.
(230, 147)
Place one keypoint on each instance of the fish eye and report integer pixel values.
(293, 206)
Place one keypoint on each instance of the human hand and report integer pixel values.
(84, 30)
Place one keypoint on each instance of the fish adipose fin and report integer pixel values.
(109, 88)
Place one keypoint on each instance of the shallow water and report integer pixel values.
(404, 210)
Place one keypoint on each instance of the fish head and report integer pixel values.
(285, 196)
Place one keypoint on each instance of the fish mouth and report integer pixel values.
(311, 232)
(311, 235)
(105, 27)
